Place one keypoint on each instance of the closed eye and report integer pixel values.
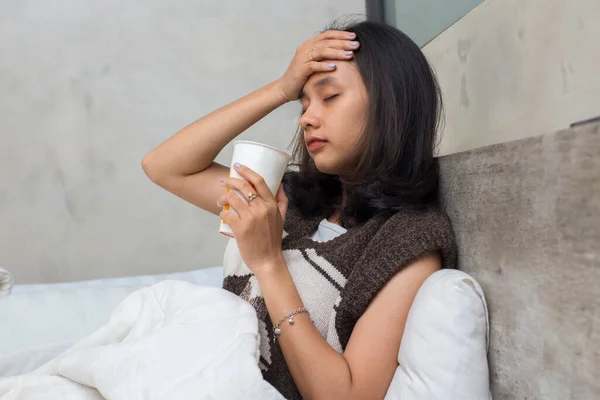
(327, 99)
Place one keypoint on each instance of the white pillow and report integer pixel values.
(443, 354)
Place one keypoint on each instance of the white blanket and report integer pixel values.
(172, 340)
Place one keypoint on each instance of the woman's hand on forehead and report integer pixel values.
(317, 54)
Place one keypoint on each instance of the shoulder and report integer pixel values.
(430, 221)
(408, 238)
(414, 232)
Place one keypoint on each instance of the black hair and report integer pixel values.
(395, 166)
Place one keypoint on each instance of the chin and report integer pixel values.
(328, 167)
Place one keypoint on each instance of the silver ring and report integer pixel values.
(251, 196)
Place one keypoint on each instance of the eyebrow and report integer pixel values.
(328, 80)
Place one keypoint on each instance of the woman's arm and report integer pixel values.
(184, 165)
(367, 367)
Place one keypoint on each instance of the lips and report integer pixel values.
(314, 143)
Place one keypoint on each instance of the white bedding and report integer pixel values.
(443, 352)
(40, 321)
(172, 340)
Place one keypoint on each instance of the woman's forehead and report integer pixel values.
(344, 74)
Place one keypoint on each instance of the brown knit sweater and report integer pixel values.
(337, 279)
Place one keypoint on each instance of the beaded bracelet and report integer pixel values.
(290, 318)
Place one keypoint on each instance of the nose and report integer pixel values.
(310, 119)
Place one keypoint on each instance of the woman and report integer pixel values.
(362, 230)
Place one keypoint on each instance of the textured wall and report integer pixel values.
(512, 69)
(88, 87)
(526, 216)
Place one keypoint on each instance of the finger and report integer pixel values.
(240, 185)
(222, 201)
(332, 34)
(230, 219)
(321, 66)
(282, 201)
(238, 205)
(339, 44)
(331, 54)
(256, 180)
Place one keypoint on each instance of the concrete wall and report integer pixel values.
(512, 69)
(526, 217)
(88, 87)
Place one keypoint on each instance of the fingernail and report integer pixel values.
(351, 34)
(354, 43)
(237, 165)
(222, 180)
(219, 203)
(348, 53)
(332, 65)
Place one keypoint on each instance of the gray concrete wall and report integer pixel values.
(526, 217)
(512, 69)
(88, 87)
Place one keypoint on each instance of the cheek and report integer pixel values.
(352, 126)
(347, 119)
(340, 155)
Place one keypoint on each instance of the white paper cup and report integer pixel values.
(267, 161)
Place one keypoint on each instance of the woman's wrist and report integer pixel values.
(278, 87)
(270, 268)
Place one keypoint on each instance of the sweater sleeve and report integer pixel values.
(402, 239)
